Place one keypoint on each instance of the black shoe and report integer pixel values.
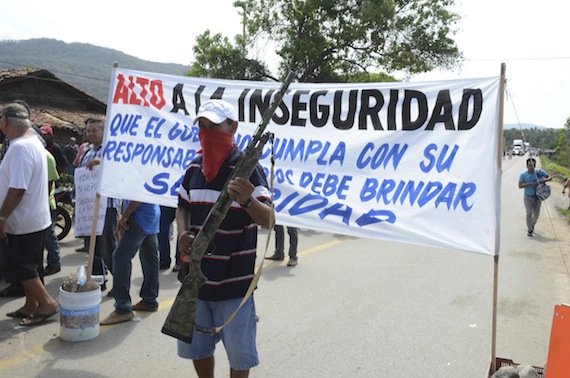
(12, 292)
(164, 265)
(276, 257)
(110, 294)
(529, 233)
(176, 268)
(49, 270)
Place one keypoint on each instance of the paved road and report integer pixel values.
(351, 308)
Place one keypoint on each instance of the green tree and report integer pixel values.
(540, 138)
(330, 40)
(562, 146)
(217, 57)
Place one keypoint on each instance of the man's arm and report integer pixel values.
(93, 162)
(525, 184)
(122, 224)
(185, 236)
(546, 178)
(241, 191)
(12, 200)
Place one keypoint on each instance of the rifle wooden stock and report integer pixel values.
(180, 320)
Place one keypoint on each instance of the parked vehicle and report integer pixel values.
(64, 211)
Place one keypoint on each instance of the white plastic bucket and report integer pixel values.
(79, 314)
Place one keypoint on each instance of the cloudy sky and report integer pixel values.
(530, 37)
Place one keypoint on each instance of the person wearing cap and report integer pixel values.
(54, 148)
(6, 140)
(229, 262)
(15, 289)
(24, 213)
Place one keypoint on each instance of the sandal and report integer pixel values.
(37, 319)
(18, 314)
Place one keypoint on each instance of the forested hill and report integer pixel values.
(523, 126)
(86, 67)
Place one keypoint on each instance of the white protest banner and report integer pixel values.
(409, 162)
(85, 184)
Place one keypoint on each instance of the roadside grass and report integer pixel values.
(558, 173)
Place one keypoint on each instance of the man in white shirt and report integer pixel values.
(24, 213)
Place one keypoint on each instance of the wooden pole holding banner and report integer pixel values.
(94, 226)
(93, 237)
(497, 235)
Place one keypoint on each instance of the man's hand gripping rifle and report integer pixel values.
(180, 320)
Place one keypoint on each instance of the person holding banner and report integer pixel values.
(106, 243)
(230, 261)
(528, 180)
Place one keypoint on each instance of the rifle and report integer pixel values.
(180, 320)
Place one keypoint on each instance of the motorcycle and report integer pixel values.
(64, 211)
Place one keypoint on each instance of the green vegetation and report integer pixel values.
(559, 164)
(557, 140)
(334, 41)
(541, 138)
(216, 57)
(328, 41)
(558, 172)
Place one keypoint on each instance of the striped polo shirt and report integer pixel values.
(229, 261)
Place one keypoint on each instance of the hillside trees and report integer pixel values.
(562, 145)
(540, 138)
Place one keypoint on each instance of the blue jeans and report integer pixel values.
(167, 215)
(52, 244)
(105, 244)
(133, 240)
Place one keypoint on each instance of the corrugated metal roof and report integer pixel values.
(58, 118)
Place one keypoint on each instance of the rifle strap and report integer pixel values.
(257, 275)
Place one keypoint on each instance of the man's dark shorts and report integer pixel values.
(24, 255)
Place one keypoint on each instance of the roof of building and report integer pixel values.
(58, 117)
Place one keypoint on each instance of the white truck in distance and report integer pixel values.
(518, 147)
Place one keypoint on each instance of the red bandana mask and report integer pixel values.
(216, 147)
